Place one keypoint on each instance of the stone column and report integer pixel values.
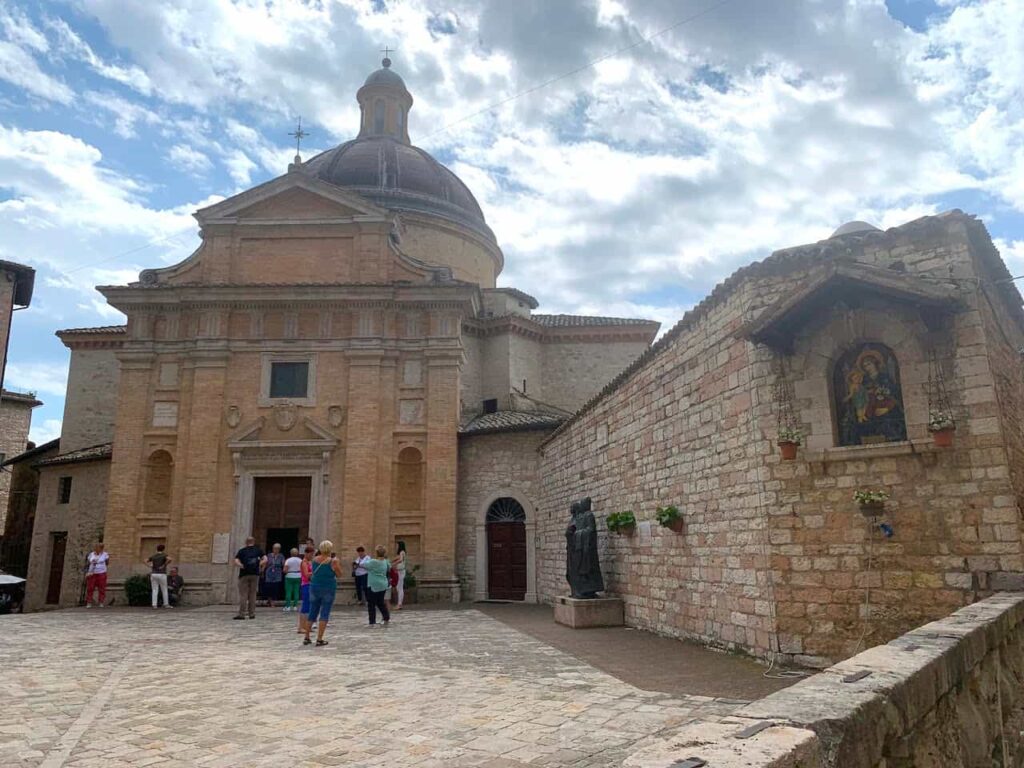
(441, 466)
(120, 529)
(362, 445)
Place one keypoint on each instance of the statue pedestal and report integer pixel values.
(580, 614)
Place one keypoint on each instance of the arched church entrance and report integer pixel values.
(506, 550)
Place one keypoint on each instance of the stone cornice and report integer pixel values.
(527, 328)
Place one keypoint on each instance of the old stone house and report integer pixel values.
(856, 341)
(307, 372)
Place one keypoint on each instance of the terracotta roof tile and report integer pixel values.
(93, 453)
(577, 321)
(97, 329)
(511, 421)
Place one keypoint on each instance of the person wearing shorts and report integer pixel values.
(323, 586)
(304, 569)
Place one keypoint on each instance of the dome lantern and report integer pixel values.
(384, 104)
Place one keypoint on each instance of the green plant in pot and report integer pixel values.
(790, 438)
(670, 517)
(942, 426)
(622, 522)
(137, 590)
(871, 502)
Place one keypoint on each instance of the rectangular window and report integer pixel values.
(289, 379)
(491, 406)
(64, 490)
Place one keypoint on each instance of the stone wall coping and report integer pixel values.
(854, 720)
(881, 450)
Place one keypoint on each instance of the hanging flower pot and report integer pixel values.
(670, 517)
(788, 441)
(943, 438)
(871, 503)
(942, 426)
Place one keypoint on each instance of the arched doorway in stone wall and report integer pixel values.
(506, 550)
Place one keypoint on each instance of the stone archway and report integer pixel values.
(483, 542)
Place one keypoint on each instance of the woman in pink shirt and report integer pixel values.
(304, 571)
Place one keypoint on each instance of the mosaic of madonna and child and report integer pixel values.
(868, 396)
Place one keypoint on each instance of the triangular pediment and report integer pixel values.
(295, 196)
(271, 432)
(846, 284)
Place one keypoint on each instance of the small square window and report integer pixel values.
(491, 406)
(64, 490)
(289, 379)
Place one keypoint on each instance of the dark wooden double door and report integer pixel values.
(281, 511)
(506, 561)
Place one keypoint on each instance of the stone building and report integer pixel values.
(15, 422)
(307, 372)
(857, 341)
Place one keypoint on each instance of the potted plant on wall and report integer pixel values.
(790, 438)
(871, 502)
(942, 426)
(410, 584)
(622, 522)
(670, 517)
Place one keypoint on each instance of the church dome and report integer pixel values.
(400, 176)
(855, 226)
(382, 165)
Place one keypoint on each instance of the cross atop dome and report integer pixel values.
(386, 62)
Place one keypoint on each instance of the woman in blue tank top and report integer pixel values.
(323, 585)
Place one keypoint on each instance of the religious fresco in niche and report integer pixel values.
(868, 396)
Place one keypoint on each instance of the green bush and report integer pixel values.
(410, 577)
(667, 515)
(137, 589)
(621, 521)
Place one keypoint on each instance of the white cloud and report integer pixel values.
(46, 431)
(73, 45)
(188, 159)
(18, 67)
(43, 378)
(126, 114)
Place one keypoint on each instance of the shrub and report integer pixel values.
(667, 515)
(410, 577)
(137, 589)
(618, 521)
(791, 435)
(866, 496)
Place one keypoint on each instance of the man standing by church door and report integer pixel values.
(250, 559)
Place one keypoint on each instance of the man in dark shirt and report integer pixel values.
(174, 586)
(250, 560)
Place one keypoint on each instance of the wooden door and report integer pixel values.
(506, 561)
(57, 552)
(281, 509)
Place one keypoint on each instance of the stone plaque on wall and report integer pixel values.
(410, 411)
(221, 548)
(168, 374)
(165, 414)
(412, 373)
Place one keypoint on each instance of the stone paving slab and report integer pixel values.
(135, 687)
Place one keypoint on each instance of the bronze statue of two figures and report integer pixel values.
(582, 569)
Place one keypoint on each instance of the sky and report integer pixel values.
(628, 154)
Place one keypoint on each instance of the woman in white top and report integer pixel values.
(292, 580)
(96, 577)
(398, 563)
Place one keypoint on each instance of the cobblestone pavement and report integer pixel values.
(137, 687)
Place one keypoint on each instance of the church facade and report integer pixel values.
(308, 371)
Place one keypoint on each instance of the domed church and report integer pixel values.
(334, 361)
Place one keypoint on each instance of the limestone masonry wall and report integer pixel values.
(92, 399)
(15, 420)
(491, 467)
(949, 694)
(774, 556)
(574, 371)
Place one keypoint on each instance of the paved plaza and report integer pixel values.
(440, 687)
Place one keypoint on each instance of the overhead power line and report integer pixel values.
(582, 68)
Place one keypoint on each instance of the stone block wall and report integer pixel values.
(15, 420)
(492, 466)
(82, 519)
(949, 694)
(576, 370)
(91, 404)
(774, 556)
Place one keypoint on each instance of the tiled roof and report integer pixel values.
(97, 329)
(94, 453)
(511, 421)
(27, 398)
(31, 452)
(575, 321)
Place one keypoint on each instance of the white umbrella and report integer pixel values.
(6, 578)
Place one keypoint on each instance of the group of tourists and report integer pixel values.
(165, 582)
(310, 582)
